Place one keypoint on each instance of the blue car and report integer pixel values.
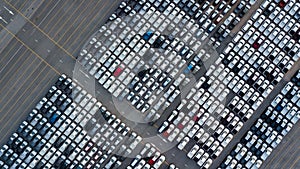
(147, 35)
(188, 69)
(53, 118)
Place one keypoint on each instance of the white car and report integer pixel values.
(119, 90)
(140, 164)
(136, 160)
(159, 162)
(188, 127)
(169, 130)
(193, 151)
(137, 140)
(178, 119)
(174, 133)
(163, 127)
(193, 131)
(103, 79)
(147, 146)
(183, 143)
(207, 163)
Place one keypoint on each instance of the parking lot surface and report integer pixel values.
(19, 51)
(170, 82)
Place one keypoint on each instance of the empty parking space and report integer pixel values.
(23, 78)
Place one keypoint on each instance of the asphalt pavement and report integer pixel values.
(44, 43)
(30, 63)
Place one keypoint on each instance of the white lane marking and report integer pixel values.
(11, 58)
(45, 16)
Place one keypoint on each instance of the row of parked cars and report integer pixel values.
(120, 65)
(199, 12)
(252, 75)
(240, 69)
(126, 52)
(272, 36)
(248, 68)
(272, 55)
(256, 74)
(205, 14)
(69, 128)
(145, 55)
(57, 110)
(231, 21)
(250, 95)
(201, 117)
(149, 157)
(212, 145)
(268, 131)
